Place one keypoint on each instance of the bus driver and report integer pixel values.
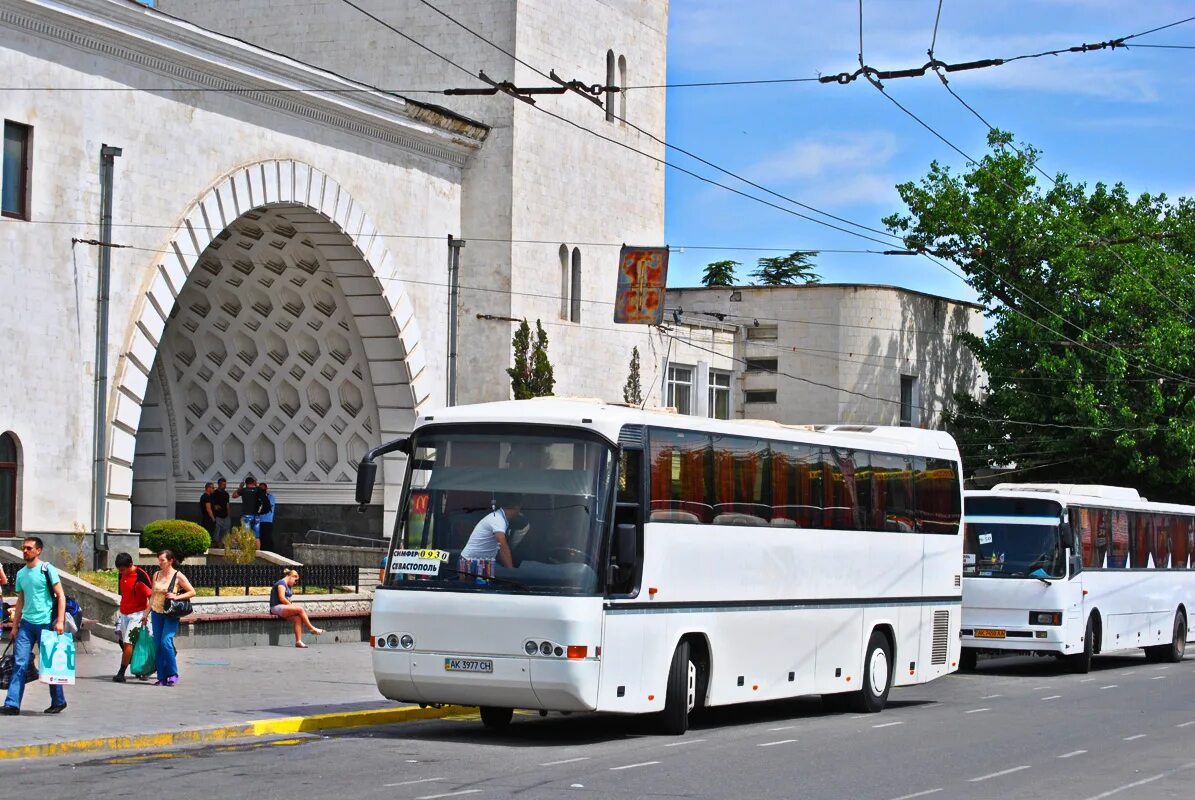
(489, 537)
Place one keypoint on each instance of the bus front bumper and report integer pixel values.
(1022, 638)
(549, 684)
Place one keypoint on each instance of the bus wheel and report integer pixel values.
(1081, 662)
(1171, 653)
(496, 719)
(968, 660)
(682, 693)
(877, 677)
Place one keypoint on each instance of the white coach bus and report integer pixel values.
(1074, 570)
(660, 563)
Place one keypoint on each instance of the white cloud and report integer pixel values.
(833, 168)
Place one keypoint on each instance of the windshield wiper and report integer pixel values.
(506, 581)
(1033, 574)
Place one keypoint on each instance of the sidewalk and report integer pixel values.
(217, 689)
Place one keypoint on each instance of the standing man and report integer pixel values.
(135, 590)
(250, 503)
(207, 513)
(220, 510)
(265, 516)
(41, 606)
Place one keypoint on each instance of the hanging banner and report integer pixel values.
(642, 276)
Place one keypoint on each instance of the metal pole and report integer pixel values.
(454, 271)
(99, 523)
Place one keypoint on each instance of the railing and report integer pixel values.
(331, 538)
(246, 576)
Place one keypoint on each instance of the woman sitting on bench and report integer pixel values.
(281, 606)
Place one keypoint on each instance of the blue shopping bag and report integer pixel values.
(57, 658)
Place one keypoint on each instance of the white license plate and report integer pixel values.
(468, 665)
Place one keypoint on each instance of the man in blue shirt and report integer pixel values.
(265, 516)
(41, 606)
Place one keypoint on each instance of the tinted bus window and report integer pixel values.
(842, 500)
(797, 484)
(1118, 547)
(680, 472)
(936, 485)
(892, 477)
(1091, 524)
(740, 479)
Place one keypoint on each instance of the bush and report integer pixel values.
(240, 546)
(180, 536)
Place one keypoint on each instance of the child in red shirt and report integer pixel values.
(135, 590)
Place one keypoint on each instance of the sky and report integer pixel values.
(1105, 116)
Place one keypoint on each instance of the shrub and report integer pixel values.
(240, 546)
(182, 537)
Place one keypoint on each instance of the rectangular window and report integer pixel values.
(936, 484)
(680, 476)
(892, 503)
(761, 365)
(1118, 549)
(740, 481)
(680, 388)
(719, 395)
(908, 392)
(797, 485)
(14, 176)
(759, 396)
(762, 333)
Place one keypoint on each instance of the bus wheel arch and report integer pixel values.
(879, 654)
(1097, 631)
(701, 656)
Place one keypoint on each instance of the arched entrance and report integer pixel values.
(277, 341)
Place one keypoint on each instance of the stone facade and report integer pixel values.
(841, 353)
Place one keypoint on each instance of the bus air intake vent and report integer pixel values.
(633, 436)
(941, 637)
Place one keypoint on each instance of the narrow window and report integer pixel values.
(622, 87)
(908, 400)
(680, 388)
(14, 178)
(575, 294)
(565, 281)
(759, 396)
(719, 406)
(762, 333)
(610, 82)
(762, 365)
(8, 484)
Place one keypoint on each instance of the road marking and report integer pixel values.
(632, 766)
(1141, 782)
(1072, 754)
(917, 794)
(1157, 677)
(998, 774)
(1110, 686)
(1052, 697)
(564, 761)
(686, 741)
(991, 697)
(783, 728)
(861, 716)
(1087, 680)
(448, 794)
(1038, 688)
(1185, 724)
(773, 744)
(411, 783)
(976, 710)
(887, 724)
(1138, 736)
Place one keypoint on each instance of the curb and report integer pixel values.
(241, 730)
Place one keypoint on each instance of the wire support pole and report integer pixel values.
(99, 522)
(454, 273)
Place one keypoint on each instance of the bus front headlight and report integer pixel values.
(1045, 617)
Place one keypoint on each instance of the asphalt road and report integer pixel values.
(1015, 728)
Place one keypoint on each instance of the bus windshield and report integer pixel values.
(1013, 538)
(510, 512)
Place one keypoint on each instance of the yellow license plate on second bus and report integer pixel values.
(989, 633)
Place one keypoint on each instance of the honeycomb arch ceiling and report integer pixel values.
(265, 369)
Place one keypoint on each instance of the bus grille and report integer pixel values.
(941, 637)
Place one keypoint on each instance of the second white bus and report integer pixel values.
(662, 563)
(1075, 570)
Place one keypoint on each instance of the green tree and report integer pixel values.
(1090, 348)
(791, 270)
(720, 273)
(632, 390)
(531, 375)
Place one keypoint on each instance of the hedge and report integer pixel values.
(182, 537)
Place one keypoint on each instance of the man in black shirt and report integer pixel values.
(207, 514)
(220, 502)
(250, 503)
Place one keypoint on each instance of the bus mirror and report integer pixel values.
(367, 473)
(626, 545)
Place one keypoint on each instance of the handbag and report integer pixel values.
(176, 608)
(8, 663)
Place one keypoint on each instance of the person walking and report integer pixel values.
(135, 590)
(281, 606)
(41, 606)
(220, 501)
(207, 514)
(265, 517)
(169, 584)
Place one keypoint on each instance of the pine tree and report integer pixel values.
(720, 273)
(520, 373)
(542, 379)
(632, 391)
(790, 270)
(531, 375)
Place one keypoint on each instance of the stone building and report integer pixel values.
(832, 353)
(279, 292)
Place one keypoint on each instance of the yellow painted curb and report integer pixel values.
(223, 733)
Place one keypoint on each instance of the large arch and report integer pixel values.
(280, 251)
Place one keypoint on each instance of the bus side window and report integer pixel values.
(630, 486)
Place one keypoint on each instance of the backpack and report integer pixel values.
(73, 610)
